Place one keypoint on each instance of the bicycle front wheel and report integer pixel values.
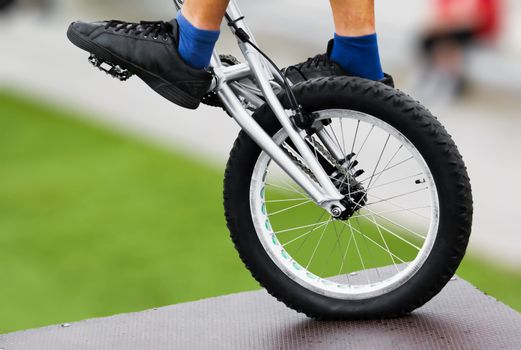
(411, 206)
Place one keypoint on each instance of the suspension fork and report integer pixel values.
(324, 193)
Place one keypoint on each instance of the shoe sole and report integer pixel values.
(159, 85)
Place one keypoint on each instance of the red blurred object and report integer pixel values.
(483, 15)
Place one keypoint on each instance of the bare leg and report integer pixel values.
(205, 14)
(353, 17)
(355, 46)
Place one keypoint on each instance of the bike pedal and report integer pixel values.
(111, 69)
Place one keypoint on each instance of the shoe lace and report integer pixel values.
(154, 28)
(321, 60)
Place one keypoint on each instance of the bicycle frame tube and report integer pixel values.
(324, 193)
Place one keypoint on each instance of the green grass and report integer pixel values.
(93, 223)
(502, 283)
(332, 248)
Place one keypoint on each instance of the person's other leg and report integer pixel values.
(355, 46)
(199, 23)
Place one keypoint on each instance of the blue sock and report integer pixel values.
(358, 55)
(195, 45)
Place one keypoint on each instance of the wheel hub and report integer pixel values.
(355, 195)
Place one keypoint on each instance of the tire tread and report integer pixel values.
(420, 118)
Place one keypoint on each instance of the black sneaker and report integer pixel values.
(322, 66)
(149, 50)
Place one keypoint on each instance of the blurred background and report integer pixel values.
(110, 196)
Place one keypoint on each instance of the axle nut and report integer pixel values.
(336, 211)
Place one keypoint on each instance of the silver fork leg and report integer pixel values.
(255, 131)
(324, 193)
(295, 135)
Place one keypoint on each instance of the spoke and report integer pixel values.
(342, 182)
(387, 169)
(300, 227)
(369, 251)
(337, 243)
(390, 212)
(397, 196)
(389, 162)
(378, 186)
(358, 251)
(397, 236)
(284, 188)
(397, 224)
(305, 234)
(289, 208)
(338, 235)
(356, 134)
(377, 244)
(286, 200)
(345, 256)
(307, 237)
(293, 187)
(348, 183)
(337, 142)
(385, 243)
(343, 135)
(363, 144)
(399, 206)
(379, 159)
(394, 181)
(319, 240)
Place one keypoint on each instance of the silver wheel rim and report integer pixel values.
(357, 283)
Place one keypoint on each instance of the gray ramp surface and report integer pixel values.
(461, 317)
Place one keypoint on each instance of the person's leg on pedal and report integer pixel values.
(352, 52)
(170, 57)
(355, 46)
